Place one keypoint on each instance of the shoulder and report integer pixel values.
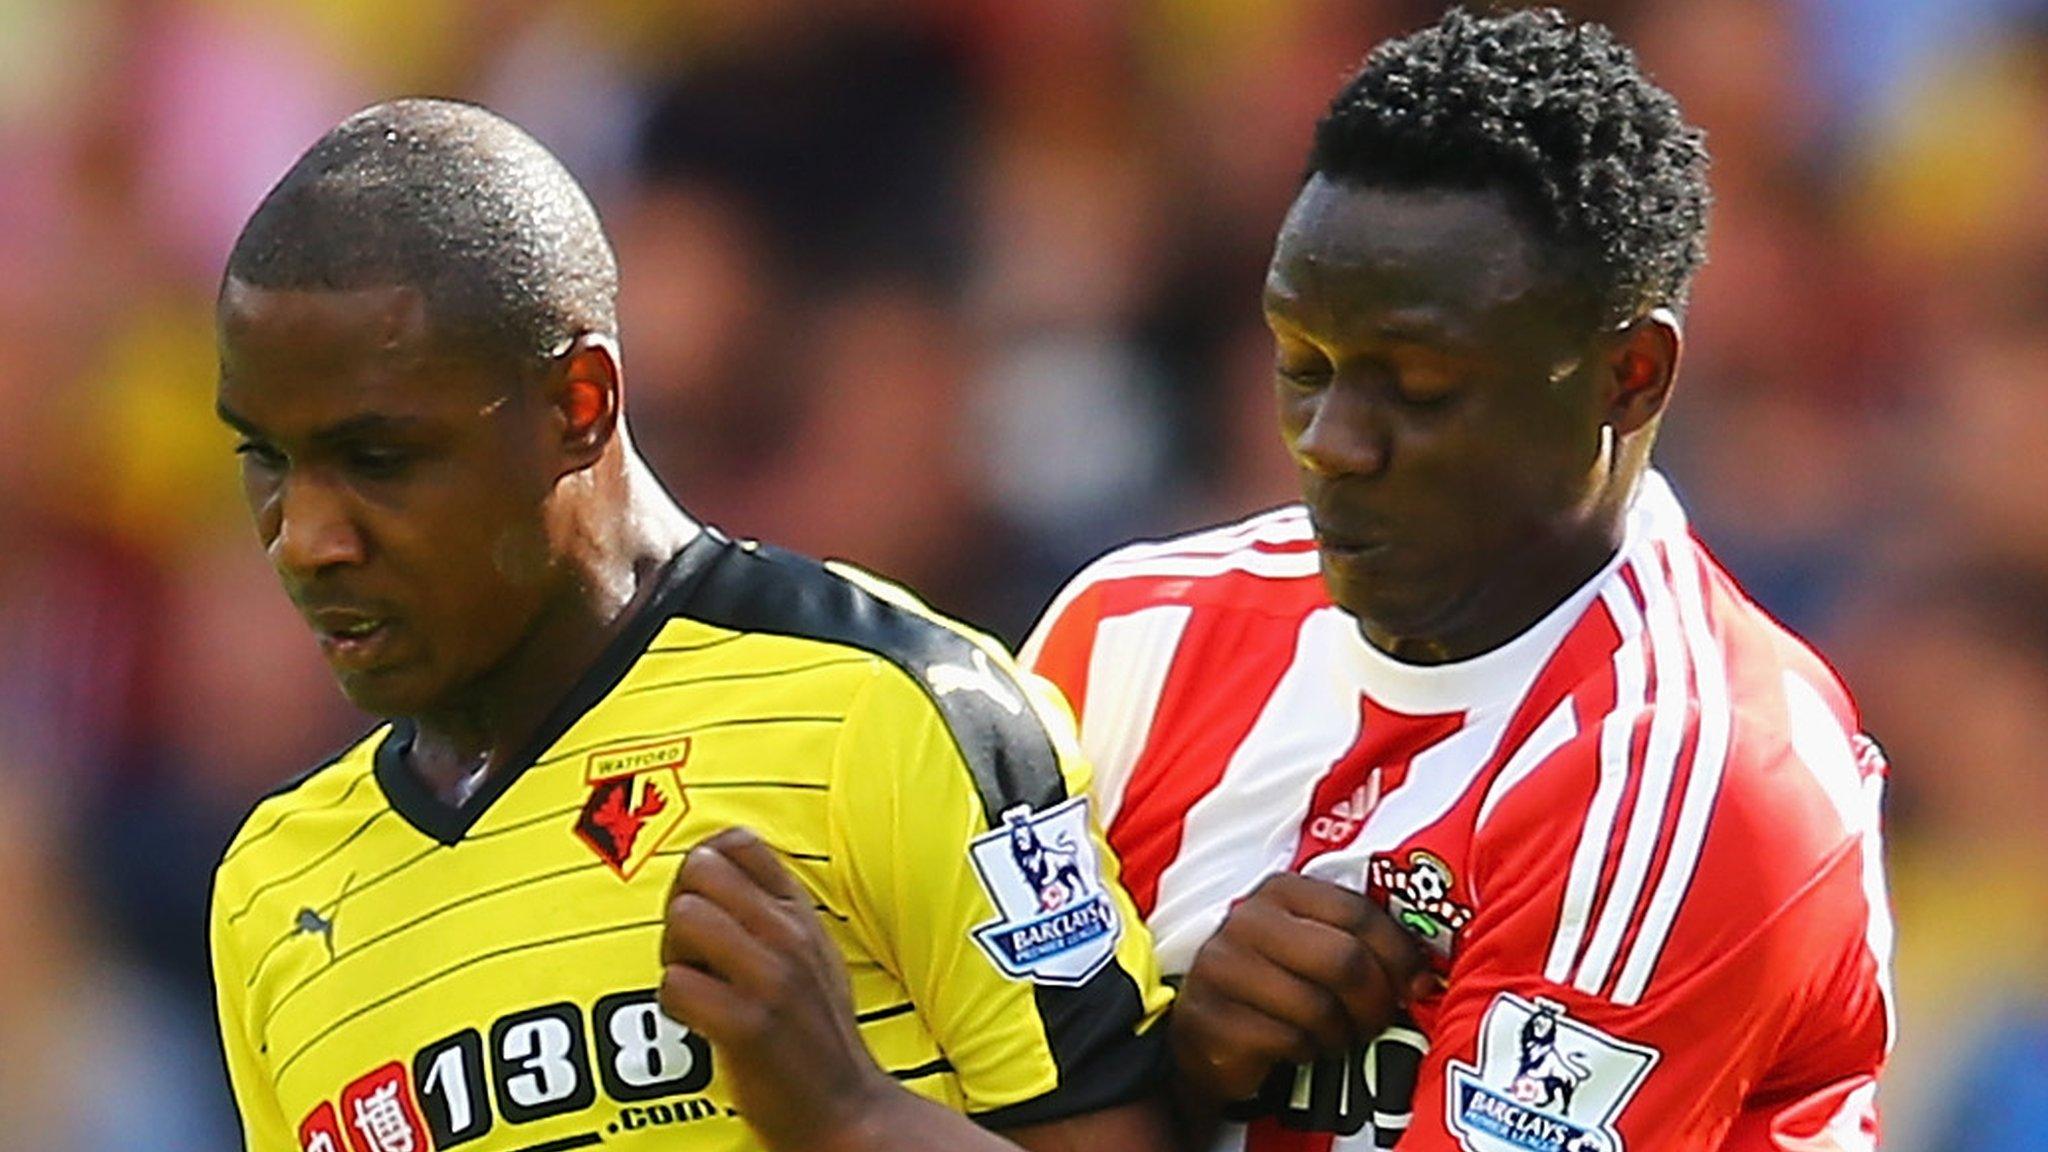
(1799, 778)
(1693, 797)
(1257, 569)
(1703, 708)
(339, 782)
(1239, 565)
(929, 665)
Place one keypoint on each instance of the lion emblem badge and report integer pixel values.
(1544, 1082)
(1056, 923)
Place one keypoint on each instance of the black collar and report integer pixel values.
(410, 797)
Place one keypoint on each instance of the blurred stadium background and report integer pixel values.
(966, 290)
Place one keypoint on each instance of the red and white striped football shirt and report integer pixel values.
(1640, 840)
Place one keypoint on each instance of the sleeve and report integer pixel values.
(1062, 643)
(264, 1128)
(1684, 963)
(976, 865)
(1110, 666)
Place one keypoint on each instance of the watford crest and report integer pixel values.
(636, 801)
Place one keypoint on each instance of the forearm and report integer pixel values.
(1197, 1117)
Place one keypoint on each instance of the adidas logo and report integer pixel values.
(1342, 822)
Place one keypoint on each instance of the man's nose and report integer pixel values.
(1345, 435)
(314, 529)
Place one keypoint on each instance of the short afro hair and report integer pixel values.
(1555, 113)
(453, 200)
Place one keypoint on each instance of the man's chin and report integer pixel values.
(389, 693)
(1386, 611)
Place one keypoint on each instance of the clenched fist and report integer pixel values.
(1300, 968)
(746, 963)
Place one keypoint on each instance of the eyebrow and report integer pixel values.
(1413, 330)
(229, 417)
(369, 424)
(1279, 311)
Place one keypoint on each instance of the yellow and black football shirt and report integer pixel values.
(395, 974)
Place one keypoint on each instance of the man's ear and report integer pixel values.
(1640, 367)
(583, 393)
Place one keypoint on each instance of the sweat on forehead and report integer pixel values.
(340, 323)
(454, 201)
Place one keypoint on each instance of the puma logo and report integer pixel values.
(946, 679)
(315, 922)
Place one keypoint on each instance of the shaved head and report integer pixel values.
(455, 202)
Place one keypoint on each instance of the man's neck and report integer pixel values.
(455, 749)
(1504, 610)
(1516, 602)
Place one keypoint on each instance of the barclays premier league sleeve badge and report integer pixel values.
(1057, 924)
(1545, 1082)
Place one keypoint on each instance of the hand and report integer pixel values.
(747, 964)
(1300, 968)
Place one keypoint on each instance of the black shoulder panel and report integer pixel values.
(756, 588)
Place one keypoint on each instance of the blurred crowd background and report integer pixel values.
(966, 291)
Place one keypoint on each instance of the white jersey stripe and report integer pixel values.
(1127, 668)
(1617, 730)
(1830, 754)
(1660, 769)
(1853, 1127)
(1310, 719)
(1880, 934)
(1710, 759)
(1272, 565)
(1120, 566)
(1438, 777)
(1824, 750)
(1287, 525)
(1556, 730)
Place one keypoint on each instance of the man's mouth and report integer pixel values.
(1354, 556)
(1347, 541)
(351, 640)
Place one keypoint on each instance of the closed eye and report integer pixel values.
(379, 463)
(1303, 369)
(1429, 402)
(1425, 378)
(260, 454)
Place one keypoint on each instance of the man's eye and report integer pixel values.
(1425, 382)
(379, 462)
(1427, 401)
(261, 455)
(1303, 375)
